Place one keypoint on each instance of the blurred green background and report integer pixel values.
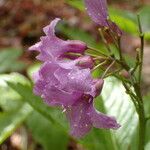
(26, 123)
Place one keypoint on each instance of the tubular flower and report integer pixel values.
(97, 10)
(68, 82)
(65, 84)
(51, 47)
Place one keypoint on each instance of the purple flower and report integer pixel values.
(51, 47)
(97, 10)
(67, 84)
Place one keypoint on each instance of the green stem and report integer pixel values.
(108, 68)
(131, 94)
(119, 48)
(141, 49)
(98, 51)
(142, 128)
(137, 88)
(101, 64)
(142, 118)
(104, 40)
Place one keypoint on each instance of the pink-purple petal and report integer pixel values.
(79, 120)
(97, 10)
(52, 48)
(100, 120)
(55, 96)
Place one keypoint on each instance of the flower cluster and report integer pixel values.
(65, 80)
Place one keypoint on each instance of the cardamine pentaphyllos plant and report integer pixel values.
(65, 79)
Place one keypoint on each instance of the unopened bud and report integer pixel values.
(125, 74)
(98, 86)
(85, 62)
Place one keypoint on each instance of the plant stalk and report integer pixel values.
(142, 128)
(142, 118)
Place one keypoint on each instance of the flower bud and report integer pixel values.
(125, 74)
(98, 86)
(85, 62)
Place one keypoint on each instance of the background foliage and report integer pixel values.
(24, 115)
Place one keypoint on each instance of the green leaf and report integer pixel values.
(9, 122)
(119, 104)
(126, 20)
(9, 99)
(125, 24)
(9, 62)
(14, 111)
(49, 136)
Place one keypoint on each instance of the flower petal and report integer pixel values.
(54, 96)
(97, 10)
(100, 120)
(44, 76)
(51, 47)
(80, 80)
(79, 120)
